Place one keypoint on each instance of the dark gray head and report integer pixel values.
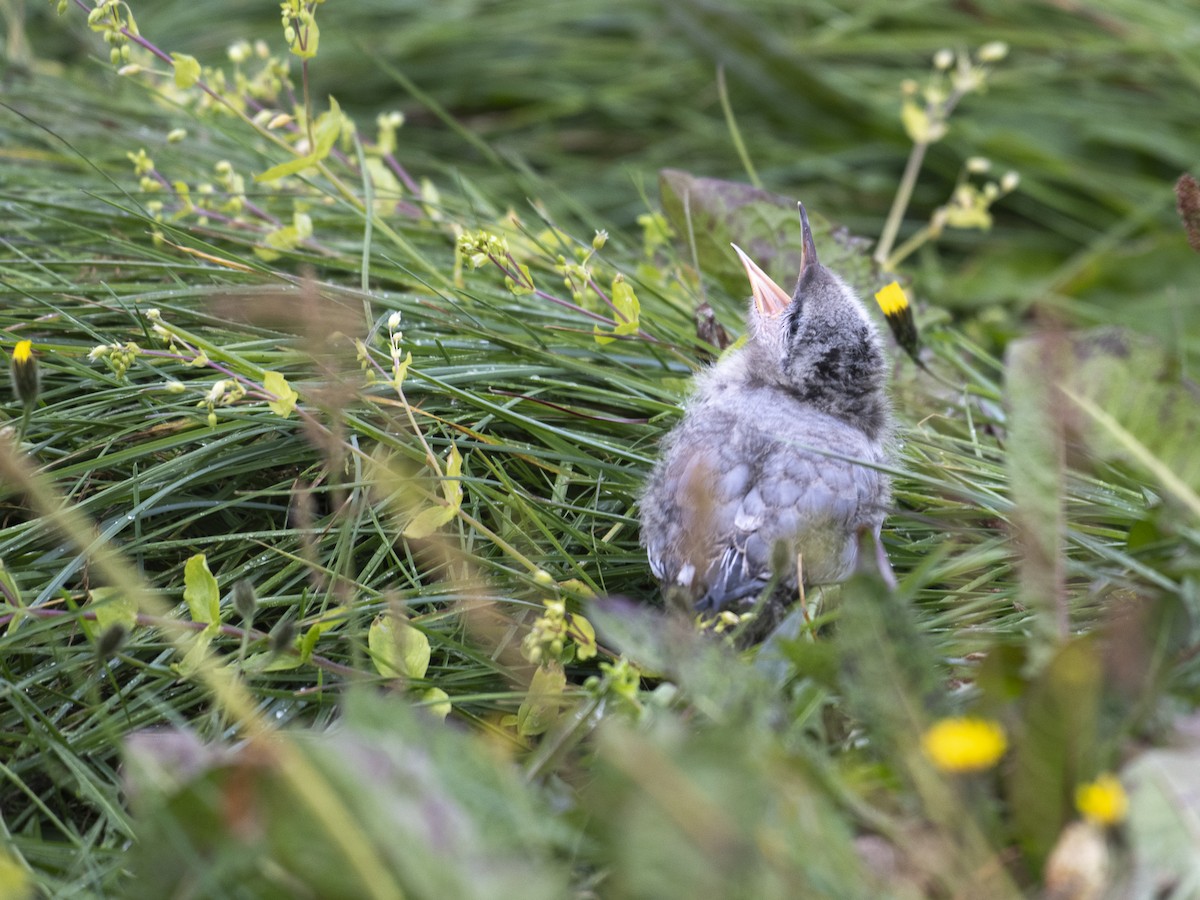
(819, 343)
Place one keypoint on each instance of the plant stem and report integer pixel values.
(905, 250)
(896, 215)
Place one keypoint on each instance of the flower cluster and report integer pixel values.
(559, 636)
(969, 204)
(926, 110)
(114, 21)
(118, 357)
(478, 248)
(224, 392)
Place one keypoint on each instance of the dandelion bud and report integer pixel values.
(994, 51)
(111, 640)
(1009, 182)
(943, 59)
(281, 636)
(24, 370)
(245, 601)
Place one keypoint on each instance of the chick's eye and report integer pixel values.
(792, 325)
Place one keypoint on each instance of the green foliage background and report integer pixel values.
(716, 769)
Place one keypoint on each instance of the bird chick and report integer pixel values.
(770, 477)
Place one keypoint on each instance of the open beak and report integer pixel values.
(769, 298)
(808, 250)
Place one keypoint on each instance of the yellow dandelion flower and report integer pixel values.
(892, 299)
(1102, 801)
(964, 744)
(24, 371)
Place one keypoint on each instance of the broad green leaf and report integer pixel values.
(628, 311)
(187, 70)
(427, 522)
(200, 591)
(112, 607)
(14, 878)
(584, 636)
(196, 654)
(291, 167)
(397, 649)
(271, 662)
(286, 398)
(430, 520)
(1055, 744)
(438, 702)
(544, 700)
(327, 128)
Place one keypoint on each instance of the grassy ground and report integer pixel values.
(1046, 540)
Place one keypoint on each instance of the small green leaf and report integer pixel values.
(397, 649)
(544, 700)
(524, 285)
(427, 522)
(286, 398)
(627, 308)
(327, 128)
(112, 607)
(291, 167)
(200, 591)
(438, 702)
(187, 70)
(400, 371)
(452, 484)
(328, 621)
(584, 636)
(10, 597)
(271, 662)
(198, 652)
(430, 520)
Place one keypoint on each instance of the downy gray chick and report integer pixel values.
(769, 476)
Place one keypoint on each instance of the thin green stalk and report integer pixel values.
(891, 227)
(734, 131)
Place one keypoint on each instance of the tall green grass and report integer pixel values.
(713, 769)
